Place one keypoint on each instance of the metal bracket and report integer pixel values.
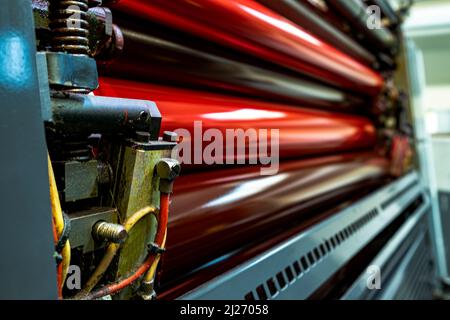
(71, 71)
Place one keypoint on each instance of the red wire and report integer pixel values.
(159, 238)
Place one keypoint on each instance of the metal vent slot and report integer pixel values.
(261, 292)
(249, 296)
(316, 255)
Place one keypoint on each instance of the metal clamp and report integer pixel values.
(154, 248)
(62, 239)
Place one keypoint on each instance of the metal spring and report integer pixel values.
(69, 26)
(72, 149)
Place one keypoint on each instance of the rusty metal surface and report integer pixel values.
(80, 180)
(136, 188)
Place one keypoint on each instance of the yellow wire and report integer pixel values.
(58, 218)
(111, 251)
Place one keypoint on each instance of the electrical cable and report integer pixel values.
(111, 252)
(58, 220)
(149, 262)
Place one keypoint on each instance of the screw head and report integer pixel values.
(170, 136)
(143, 115)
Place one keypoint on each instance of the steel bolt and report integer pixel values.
(111, 232)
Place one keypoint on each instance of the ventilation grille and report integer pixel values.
(417, 284)
(293, 272)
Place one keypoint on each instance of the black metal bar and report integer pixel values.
(76, 114)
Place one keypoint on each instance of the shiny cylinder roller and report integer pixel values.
(302, 132)
(357, 14)
(153, 55)
(249, 27)
(302, 15)
(213, 214)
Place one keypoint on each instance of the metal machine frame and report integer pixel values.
(416, 71)
(27, 270)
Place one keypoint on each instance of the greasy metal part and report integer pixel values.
(215, 213)
(111, 232)
(356, 13)
(167, 169)
(302, 132)
(27, 268)
(105, 173)
(302, 15)
(73, 113)
(249, 27)
(69, 148)
(106, 41)
(71, 72)
(80, 180)
(154, 55)
(103, 41)
(136, 187)
(69, 25)
(147, 290)
(81, 224)
(142, 136)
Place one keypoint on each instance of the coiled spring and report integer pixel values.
(69, 26)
